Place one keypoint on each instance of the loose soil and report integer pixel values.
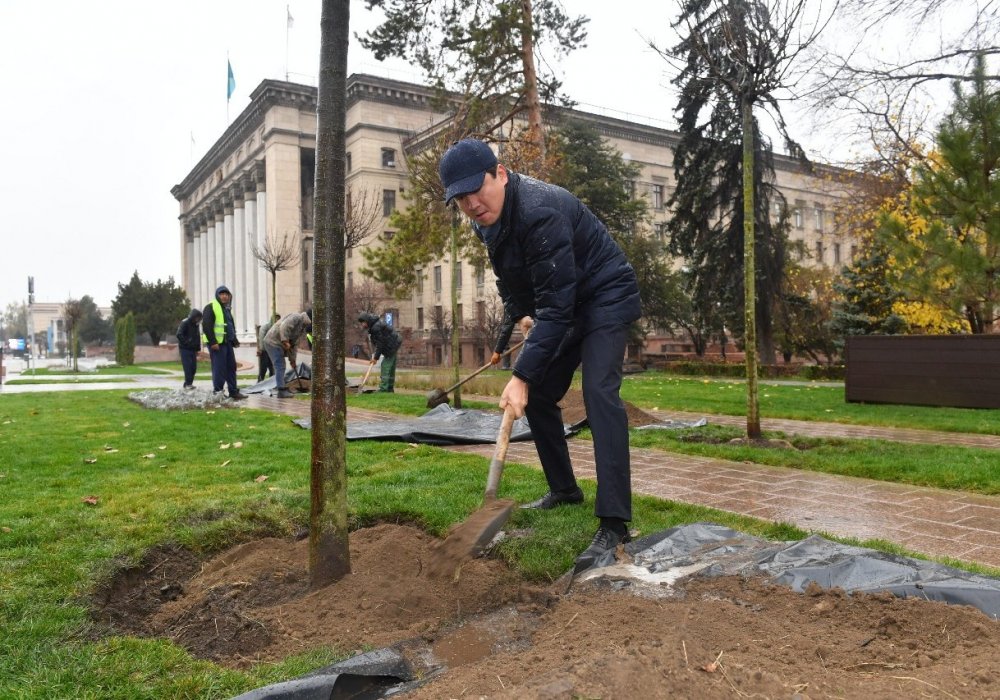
(574, 411)
(498, 636)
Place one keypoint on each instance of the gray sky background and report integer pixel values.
(103, 100)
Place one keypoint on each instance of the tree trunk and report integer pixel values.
(531, 82)
(456, 330)
(749, 277)
(329, 554)
(274, 294)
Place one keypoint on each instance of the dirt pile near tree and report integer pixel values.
(500, 637)
(574, 411)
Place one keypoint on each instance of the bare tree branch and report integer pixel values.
(276, 254)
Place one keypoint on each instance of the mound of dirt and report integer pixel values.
(500, 637)
(574, 411)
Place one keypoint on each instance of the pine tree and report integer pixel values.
(867, 297)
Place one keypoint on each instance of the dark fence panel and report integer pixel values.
(925, 370)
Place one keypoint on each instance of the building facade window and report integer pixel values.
(388, 202)
(458, 275)
(348, 162)
(437, 279)
(819, 252)
(657, 196)
(388, 158)
(819, 217)
(420, 281)
(797, 216)
(420, 318)
(480, 276)
(836, 253)
(350, 280)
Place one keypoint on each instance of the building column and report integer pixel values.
(263, 276)
(228, 258)
(255, 313)
(203, 271)
(239, 263)
(219, 239)
(189, 261)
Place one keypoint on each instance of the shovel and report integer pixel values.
(468, 539)
(440, 396)
(361, 386)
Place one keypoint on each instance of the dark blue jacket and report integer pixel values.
(189, 332)
(556, 262)
(384, 339)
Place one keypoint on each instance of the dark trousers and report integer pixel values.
(266, 366)
(223, 368)
(601, 352)
(189, 361)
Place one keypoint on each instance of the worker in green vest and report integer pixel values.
(219, 330)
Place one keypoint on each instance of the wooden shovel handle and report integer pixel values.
(499, 455)
(482, 369)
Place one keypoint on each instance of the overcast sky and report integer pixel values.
(108, 105)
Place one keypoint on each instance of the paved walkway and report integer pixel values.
(935, 522)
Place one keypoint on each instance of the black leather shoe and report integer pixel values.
(553, 499)
(285, 394)
(238, 396)
(605, 540)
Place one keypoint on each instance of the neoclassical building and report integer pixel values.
(256, 183)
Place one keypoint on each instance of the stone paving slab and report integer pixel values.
(934, 522)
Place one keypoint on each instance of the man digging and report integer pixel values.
(560, 274)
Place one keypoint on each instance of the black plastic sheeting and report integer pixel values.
(442, 425)
(371, 675)
(713, 550)
(303, 370)
(663, 558)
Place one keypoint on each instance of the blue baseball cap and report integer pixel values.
(463, 167)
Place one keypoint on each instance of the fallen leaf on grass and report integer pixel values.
(109, 449)
(90, 500)
(272, 488)
(126, 424)
(210, 413)
(5, 529)
(7, 422)
(225, 446)
(237, 444)
(151, 455)
(162, 447)
(261, 478)
(90, 460)
(225, 463)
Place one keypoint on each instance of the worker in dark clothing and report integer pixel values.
(265, 367)
(219, 329)
(385, 343)
(189, 344)
(562, 276)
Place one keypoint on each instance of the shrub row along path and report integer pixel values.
(935, 522)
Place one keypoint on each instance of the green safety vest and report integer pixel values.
(220, 324)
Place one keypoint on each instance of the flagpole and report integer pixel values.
(288, 25)
(229, 68)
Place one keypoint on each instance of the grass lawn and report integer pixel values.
(150, 368)
(77, 379)
(162, 477)
(817, 402)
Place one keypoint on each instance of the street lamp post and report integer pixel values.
(30, 341)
